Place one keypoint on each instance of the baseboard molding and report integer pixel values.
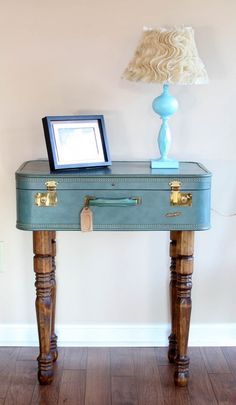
(119, 335)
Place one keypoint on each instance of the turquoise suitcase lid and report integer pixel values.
(33, 175)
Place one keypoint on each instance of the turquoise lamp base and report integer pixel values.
(164, 164)
(165, 105)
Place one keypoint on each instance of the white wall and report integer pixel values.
(66, 57)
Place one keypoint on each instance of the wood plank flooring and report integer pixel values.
(118, 376)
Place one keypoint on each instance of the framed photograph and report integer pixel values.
(77, 141)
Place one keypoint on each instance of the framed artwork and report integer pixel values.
(77, 141)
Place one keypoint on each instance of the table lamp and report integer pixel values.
(166, 56)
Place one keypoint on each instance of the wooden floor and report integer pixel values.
(118, 376)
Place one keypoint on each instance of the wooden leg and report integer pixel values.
(53, 344)
(172, 352)
(42, 245)
(184, 269)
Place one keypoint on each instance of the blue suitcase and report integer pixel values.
(127, 196)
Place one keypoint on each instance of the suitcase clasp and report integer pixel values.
(49, 198)
(177, 198)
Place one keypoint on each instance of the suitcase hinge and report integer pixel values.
(49, 198)
(177, 198)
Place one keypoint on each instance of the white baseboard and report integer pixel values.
(119, 335)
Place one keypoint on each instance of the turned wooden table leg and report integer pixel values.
(184, 269)
(172, 352)
(42, 245)
(53, 345)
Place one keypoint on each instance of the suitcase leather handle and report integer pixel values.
(113, 202)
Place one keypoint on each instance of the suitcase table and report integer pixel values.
(128, 196)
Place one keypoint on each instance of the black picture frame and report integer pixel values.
(76, 141)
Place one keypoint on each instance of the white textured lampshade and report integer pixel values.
(167, 56)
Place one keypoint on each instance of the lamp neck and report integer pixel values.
(166, 88)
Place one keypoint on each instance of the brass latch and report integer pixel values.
(49, 198)
(177, 198)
